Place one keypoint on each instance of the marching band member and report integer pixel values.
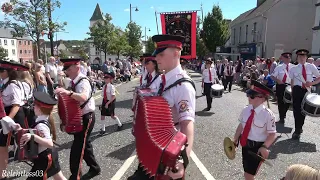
(229, 72)
(209, 77)
(152, 70)
(12, 97)
(109, 101)
(281, 76)
(301, 78)
(82, 92)
(144, 72)
(47, 161)
(257, 129)
(181, 97)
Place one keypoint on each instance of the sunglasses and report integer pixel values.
(252, 96)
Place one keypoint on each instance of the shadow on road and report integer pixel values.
(197, 97)
(290, 146)
(282, 129)
(124, 152)
(204, 113)
(127, 104)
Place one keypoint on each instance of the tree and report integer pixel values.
(119, 44)
(134, 32)
(215, 29)
(201, 47)
(3, 53)
(62, 54)
(150, 46)
(30, 18)
(102, 34)
(83, 55)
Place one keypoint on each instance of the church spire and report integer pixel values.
(97, 15)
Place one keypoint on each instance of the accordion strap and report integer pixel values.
(86, 102)
(179, 81)
(185, 157)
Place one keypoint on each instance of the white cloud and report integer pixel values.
(127, 9)
(151, 7)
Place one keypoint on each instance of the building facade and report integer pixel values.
(25, 49)
(273, 27)
(9, 44)
(316, 32)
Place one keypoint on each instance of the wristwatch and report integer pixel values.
(264, 146)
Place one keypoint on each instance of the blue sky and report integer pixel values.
(78, 12)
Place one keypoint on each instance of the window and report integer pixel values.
(29, 43)
(240, 35)
(254, 32)
(5, 42)
(20, 43)
(25, 42)
(0, 41)
(25, 51)
(20, 51)
(6, 50)
(29, 51)
(13, 52)
(12, 42)
(234, 36)
(247, 26)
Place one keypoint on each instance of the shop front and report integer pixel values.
(247, 51)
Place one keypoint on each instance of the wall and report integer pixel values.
(11, 46)
(289, 26)
(25, 50)
(316, 33)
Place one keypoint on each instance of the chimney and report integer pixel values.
(259, 2)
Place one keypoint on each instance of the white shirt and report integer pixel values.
(83, 70)
(263, 122)
(52, 70)
(232, 70)
(145, 79)
(59, 71)
(296, 73)
(281, 70)
(111, 91)
(85, 86)
(206, 76)
(203, 66)
(43, 130)
(27, 90)
(144, 73)
(181, 98)
(12, 94)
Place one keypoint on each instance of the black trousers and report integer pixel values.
(297, 96)
(207, 91)
(282, 106)
(229, 80)
(82, 148)
(140, 174)
(50, 87)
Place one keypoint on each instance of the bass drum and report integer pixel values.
(310, 105)
(216, 91)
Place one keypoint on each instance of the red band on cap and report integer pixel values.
(170, 43)
(108, 76)
(71, 63)
(259, 90)
(41, 104)
(149, 58)
(6, 66)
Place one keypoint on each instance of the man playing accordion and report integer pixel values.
(180, 97)
(81, 90)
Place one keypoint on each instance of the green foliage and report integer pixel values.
(215, 29)
(83, 55)
(201, 47)
(62, 54)
(150, 46)
(3, 53)
(119, 44)
(102, 34)
(134, 32)
(30, 18)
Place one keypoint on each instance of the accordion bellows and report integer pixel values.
(27, 152)
(2, 111)
(70, 114)
(158, 142)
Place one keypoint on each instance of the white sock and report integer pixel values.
(118, 121)
(103, 127)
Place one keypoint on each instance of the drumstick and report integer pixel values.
(117, 91)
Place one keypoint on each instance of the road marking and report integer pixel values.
(201, 167)
(124, 168)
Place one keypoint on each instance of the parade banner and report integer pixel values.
(183, 24)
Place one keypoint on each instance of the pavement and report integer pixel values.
(115, 151)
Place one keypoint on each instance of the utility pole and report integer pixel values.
(50, 34)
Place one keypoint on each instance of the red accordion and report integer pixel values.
(28, 151)
(159, 144)
(2, 111)
(70, 114)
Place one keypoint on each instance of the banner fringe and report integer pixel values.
(180, 12)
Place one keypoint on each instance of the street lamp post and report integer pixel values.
(136, 9)
(145, 37)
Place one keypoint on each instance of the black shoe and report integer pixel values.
(11, 154)
(281, 121)
(119, 128)
(90, 174)
(295, 136)
(102, 131)
(207, 109)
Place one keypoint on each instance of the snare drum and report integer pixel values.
(287, 96)
(311, 105)
(216, 91)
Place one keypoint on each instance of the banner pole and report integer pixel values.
(155, 13)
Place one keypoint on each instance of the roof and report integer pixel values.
(257, 11)
(97, 14)
(7, 33)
